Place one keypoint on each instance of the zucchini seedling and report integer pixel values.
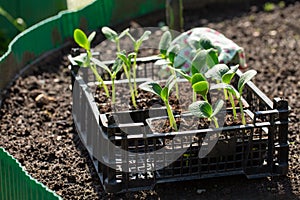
(222, 73)
(117, 66)
(199, 83)
(113, 35)
(137, 44)
(164, 94)
(245, 78)
(126, 67)
(168, 52)
(85, 60)
(203, 109)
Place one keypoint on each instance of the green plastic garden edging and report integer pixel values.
(31, 11)
(16, 184)
(55, 32)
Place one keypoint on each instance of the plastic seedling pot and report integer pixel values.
(257, 149)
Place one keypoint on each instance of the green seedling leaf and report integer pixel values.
(227, 77)
(164, 94)
(151, 87)
(81, 60)
(144, 37)
(201, 109)
(101, 64)
(184, 74)
(109, 33)
(204, 60)
(172, 52)
(228, 87)
(179, 60)
(245, 77)
(81, 39)
(198, 77)
(217, 72)
(91, 36)
(131, 56)
(157, 89)
(201, 88)
(170, 83)
(117, 66)
(124, 58)
(125, 32)
(212, 58)
(218, 107)
(164, 43)
(199, 61)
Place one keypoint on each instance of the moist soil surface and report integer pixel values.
(37, 128)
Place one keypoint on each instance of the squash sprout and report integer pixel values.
(85, 60)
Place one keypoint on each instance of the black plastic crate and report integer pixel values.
(258, 149)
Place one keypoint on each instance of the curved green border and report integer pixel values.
(16, 183)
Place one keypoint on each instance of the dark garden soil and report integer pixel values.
(37, 127)
(144, 99)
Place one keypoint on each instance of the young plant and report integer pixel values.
(137, 44)
(199, 83)
(204, 60)
(245, 78)
(126, 67)
(164, 94)
(117, 66)
(168, 52)
(85, 61)
(203, 109)
(222, 73)
(113, 36)
(232, 93)
(200, 86)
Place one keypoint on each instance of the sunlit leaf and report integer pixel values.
(218, 107)
(245, 77)
(144, 37)
(217, 71)
(212, 58)
(151, 87)
(172, 52)
(227, 77)
(101, 64)
(164, 43)
(81, 39)
(201, 109)
(198, 77)
(201, 88)
(199, 61)
(164, 94)
(81, 60)
(170, 83)
(228, 87)
(117, 66)
(91, 36)
(125, 32)
(124, 58)
(109, 33)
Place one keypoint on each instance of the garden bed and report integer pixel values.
(39, 131)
